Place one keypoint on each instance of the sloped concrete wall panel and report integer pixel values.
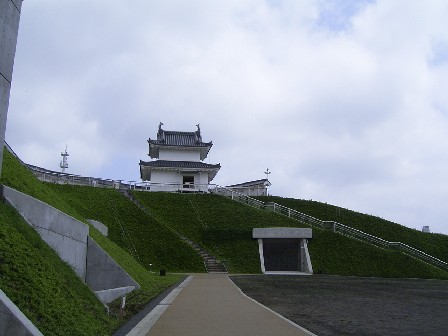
(13, 321)
(103, 229)
(103, 272)
(69, 238)
(65, 234)
(109, 295)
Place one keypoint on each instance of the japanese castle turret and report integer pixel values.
(179, 162)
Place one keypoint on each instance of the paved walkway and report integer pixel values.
(211, 305)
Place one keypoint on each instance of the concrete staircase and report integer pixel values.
(212, 265)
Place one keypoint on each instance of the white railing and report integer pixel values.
(174, 187)
(237, 196)
(331, 225)
(65, 178)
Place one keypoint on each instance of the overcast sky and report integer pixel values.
(345, 102)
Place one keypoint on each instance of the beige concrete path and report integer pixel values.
(211, 305)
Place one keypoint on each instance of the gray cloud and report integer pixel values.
(344, 101)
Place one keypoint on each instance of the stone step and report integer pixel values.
(216, 268)
(211, 264)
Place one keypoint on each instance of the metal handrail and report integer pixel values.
(333, 226)
(237, 196)
(58, 177)
(66, 178)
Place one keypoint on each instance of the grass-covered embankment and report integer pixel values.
(224, 227)
(46, 289)
(111, 208)
(433, 244)
(137, 239)
(139, 234)
(142, 236)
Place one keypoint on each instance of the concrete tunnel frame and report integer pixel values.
(284, 250)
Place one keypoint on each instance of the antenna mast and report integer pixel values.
(267, 183)
(64, 164)
(267, 172)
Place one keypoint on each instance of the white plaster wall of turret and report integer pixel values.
(179, 155)
(165, 177)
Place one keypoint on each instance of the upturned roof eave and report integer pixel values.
(155, 146)
(164, 144)
(179, 164)
(212, 170)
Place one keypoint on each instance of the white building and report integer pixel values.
(179, 162)
(426, 229)
(253, 188)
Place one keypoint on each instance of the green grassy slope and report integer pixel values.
(151, 284)
(20, 178)
(139, 234)
(142, 236)
(220, 225)
(46, 289)
(433, 244)
(225, 228)
(147, 240)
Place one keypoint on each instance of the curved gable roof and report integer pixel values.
(178, 139)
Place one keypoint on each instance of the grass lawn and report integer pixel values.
(224, 227)
(434, 244)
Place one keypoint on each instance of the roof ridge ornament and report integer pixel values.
(161, 133)
(198, 133)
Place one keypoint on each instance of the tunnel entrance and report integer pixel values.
(281, 255)
(284, 250)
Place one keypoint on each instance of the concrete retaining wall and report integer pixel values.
(103, 229)
(103, 272)
(66, 235)
(13, 321)
(70, 239)
(109, 295)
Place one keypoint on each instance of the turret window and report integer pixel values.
(188, 181)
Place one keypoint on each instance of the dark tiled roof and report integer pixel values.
(180, 139)
(248, 184)
(179, 164)
(175, 138)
